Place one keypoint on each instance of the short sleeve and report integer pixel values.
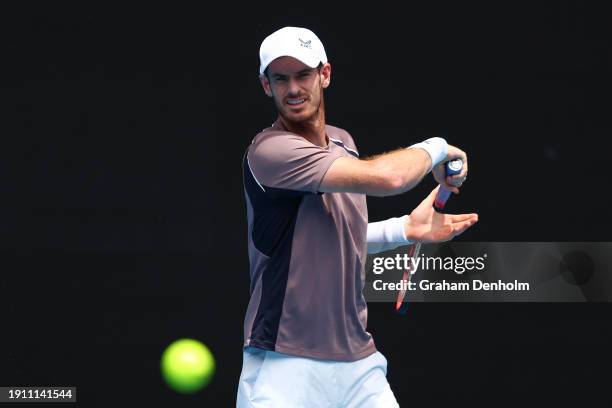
(289, 162)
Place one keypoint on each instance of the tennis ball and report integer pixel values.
(187, 366)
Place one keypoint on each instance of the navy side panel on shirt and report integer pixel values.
(275, 213)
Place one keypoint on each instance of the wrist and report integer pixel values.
(395, 230)
(391, 231)
(403, 226)
(408, 229)
(436, 147)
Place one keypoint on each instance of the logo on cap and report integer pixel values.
(305, 44)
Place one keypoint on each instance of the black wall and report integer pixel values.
(123, 217)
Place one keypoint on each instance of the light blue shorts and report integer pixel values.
(275, 380)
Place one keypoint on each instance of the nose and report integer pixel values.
(294, 88)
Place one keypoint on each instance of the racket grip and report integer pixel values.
(452, 167)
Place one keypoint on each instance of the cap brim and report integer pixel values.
(306, 58)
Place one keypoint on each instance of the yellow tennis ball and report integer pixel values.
(187, 366)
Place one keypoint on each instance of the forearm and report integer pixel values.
(386, 174)
(401, 170)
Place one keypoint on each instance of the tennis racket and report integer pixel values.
(452, 167)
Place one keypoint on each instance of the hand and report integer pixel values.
(425, 224)
(451, 182)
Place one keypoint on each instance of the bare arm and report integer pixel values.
(395, 172)
(386, 174)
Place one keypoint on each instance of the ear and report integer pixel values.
(325, 75)
(265, 83)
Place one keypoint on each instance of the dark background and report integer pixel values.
(123, 217)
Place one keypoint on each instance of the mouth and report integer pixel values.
(296, 102)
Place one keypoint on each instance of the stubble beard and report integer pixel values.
(311, 121)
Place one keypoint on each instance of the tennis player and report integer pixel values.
(305, 338)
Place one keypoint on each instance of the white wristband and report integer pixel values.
(389, 231)
(436, 147)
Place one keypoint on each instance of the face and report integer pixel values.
(296, 88)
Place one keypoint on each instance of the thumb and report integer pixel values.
(431, 197)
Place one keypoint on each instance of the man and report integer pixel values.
(306, 343)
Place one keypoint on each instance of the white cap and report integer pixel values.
(296, 42)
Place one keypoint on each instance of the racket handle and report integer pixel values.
(452, 167)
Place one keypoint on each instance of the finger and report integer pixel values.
(463, 174)
(452, 218)
(455, 181)
(460, 227)
(451, 187)
(464, 169)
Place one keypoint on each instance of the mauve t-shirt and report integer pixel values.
(307, 249)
